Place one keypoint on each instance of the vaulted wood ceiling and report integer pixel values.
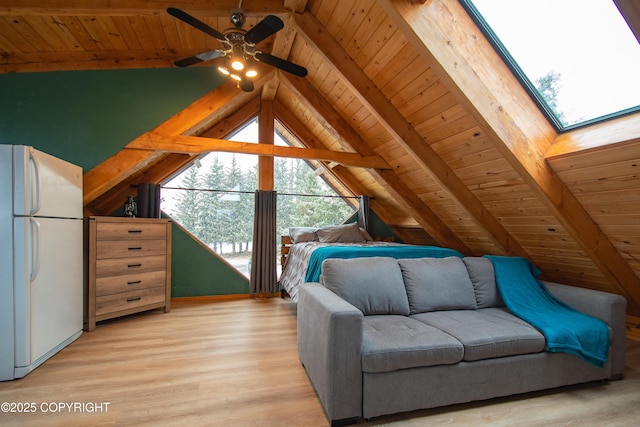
(405, 101)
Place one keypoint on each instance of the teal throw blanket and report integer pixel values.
(565, 329)
(393, 251)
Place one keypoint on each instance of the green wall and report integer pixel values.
(87, 116)
(196, 272)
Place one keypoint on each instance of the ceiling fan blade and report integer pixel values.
(201, 57)
(284, 65)
(246, 85)
(194, 22)
(271, 24)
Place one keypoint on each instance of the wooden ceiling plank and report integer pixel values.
(76, 28)
(41, 24)
(109, 27)
(96, 32)
(447, 37)
(404, 133)
(331, 119)
(21, 36)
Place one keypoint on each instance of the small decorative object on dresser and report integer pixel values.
(129, 267)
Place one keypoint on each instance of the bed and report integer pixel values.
(309, 247)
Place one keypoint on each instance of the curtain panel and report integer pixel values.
(363, 212)
(264, 256)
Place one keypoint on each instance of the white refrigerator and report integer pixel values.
(41, 258)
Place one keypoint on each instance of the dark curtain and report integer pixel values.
(363, 212)
(263, 256)
(149, 200)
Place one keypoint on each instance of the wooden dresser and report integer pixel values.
(129, 267)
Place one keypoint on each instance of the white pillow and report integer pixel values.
(348, 233)
(303, 234)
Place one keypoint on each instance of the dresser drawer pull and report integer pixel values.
(134, 231)
(134, 265)
(133, 299)
(134, 282)
(137, 248)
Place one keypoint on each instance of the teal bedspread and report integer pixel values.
(393, 251)
(565, 329)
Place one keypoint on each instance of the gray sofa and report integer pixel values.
(382, 336)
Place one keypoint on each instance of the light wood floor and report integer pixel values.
(235, 363)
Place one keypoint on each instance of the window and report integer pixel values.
(578, 59)
(214, 198)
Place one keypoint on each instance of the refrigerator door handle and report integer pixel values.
(34, 184)
(35, 249)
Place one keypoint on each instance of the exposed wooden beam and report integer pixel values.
(344, 132)
(152, 141)
(23, 62)
(297, 6)
(113, 171)
(404, 133)
(447, 38)
(225, 127)
(341, 173)
(621, 131)
(138, 7)
(210, 109)
(158, 172)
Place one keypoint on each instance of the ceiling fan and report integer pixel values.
(239, 47)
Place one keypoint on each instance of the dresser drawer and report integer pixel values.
(129, 282)
(128, 300)
(129, 248)
(130, 230)
(127, 266)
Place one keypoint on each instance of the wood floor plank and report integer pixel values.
(236, 363)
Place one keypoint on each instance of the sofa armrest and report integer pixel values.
(329, 347)
(611, 308)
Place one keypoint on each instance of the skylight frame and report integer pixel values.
(527, 84)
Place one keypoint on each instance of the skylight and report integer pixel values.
(579, 58)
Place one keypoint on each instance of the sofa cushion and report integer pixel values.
(373, 285)
(486, 333)
(390, 343)
(437, 284)
(483, 279)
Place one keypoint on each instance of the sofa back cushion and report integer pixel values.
(484, 282)
(437, 284)
(373, 285)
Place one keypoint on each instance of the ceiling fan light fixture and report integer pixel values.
(235, 77)
(224, 70)
(251, 73)
(237, 64)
